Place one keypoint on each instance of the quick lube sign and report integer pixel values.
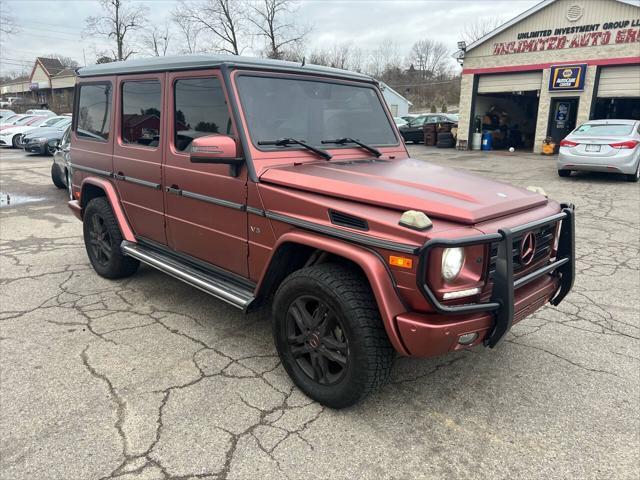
(578, 36)
(567, 77)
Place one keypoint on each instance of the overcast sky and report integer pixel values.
(55, 26)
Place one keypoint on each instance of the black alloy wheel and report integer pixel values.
(102, 239)
(100, 242)
(50, 149)
(316, 340)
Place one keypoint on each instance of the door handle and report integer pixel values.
(174, 189)
(119, 176)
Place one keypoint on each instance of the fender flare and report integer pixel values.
(112, 197)
(372, 265)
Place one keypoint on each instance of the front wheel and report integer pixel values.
(56, 176)
(15, 141)
(329, 335)
(102, 239)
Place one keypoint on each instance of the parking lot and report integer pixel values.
(149, 378)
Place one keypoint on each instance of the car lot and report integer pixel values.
(148, 378)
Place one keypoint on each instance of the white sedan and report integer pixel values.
(602, 146)
(10, 136)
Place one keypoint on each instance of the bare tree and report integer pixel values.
(118, 20)
(7, 23)
(222, 19)
(272, 20)
(429, 58)
(478, 28)
(67, 62)
(156, 40)
(187, 28)
(384, 59)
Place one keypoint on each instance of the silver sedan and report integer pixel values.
(602, 146)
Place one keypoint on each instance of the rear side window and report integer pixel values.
(200, 109)
(94, 111)
(141, 105)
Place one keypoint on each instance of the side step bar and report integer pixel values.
(213, 284)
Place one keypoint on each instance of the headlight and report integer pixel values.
(452, 260)
(39, 139)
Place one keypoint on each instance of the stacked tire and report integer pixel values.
(446, 140)
(430, 135)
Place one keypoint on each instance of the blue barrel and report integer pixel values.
(487, 141)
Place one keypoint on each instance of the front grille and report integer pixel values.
(544, 243)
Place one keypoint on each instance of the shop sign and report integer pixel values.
(567, 77)
(592, 35)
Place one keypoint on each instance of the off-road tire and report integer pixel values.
(634, 177)
(564, 173)
(117, 265)
(56, 176)
(369, 353)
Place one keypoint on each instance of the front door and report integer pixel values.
(205, 203)
(562, 120)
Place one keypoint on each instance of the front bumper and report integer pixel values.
(34, 148)
(511, 300)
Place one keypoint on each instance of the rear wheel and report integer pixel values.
(102, 239)
(634, 177)
(15, 141)
(56, 176)
(50, 149)
(564, 173)
(329, 335)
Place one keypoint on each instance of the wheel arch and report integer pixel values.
(297, 249)
(93, 187)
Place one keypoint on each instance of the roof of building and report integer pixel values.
(385, 87)
(527, 13)
(20, 79)
(52, 66)
(194, 62)
(67, 72)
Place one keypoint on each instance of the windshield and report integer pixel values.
(598, 129)
(24, 121)
(312, 111)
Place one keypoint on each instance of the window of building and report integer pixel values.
(94, 111)
(141, 105)
(200, 109)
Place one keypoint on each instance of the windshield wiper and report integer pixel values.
(283, 142)
(342, 141)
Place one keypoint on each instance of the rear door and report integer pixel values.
(138, 153)
(205, 204)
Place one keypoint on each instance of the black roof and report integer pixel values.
(194, 62)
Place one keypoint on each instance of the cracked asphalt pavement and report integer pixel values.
(148, 378)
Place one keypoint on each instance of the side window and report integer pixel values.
(94, 111)
(200, 109)
(141, 105)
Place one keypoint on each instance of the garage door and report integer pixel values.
(623, 81)
(510, 82)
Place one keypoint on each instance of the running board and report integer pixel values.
(216, 285)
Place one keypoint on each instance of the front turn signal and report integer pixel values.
(401, 262)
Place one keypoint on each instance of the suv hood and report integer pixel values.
(409, 184)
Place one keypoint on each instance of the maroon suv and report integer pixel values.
(274, 183)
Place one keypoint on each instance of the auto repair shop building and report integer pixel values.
(558, 64)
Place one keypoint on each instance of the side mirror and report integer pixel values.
(220, 149)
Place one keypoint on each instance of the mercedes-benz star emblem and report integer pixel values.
(528, 248)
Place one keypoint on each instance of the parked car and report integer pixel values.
(61, 166)
(400, 122)
(12, 136)
(44, 140)
(290, 186)
(41, 113)
(602, 146)
(414, 130)
(5, 113)
(12, 120)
